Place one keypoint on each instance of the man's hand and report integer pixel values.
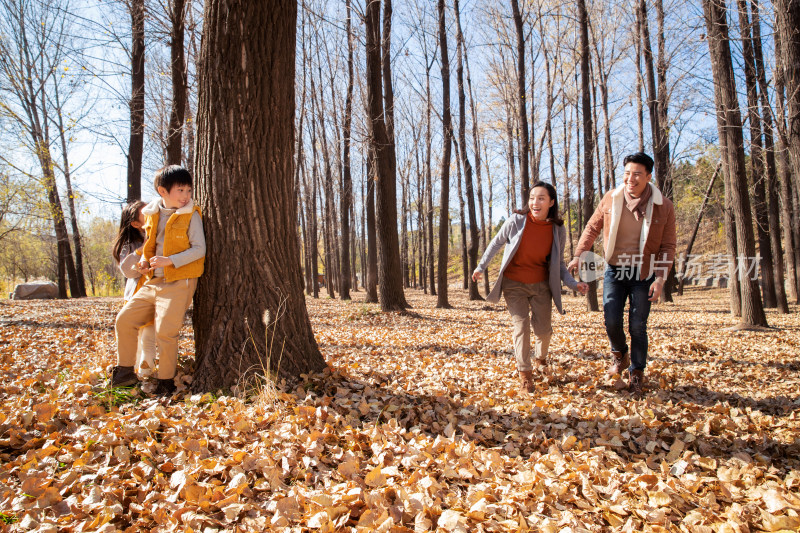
(159, 261)
(476, 276)
(655, 289)
(583, 288)
(574, 265)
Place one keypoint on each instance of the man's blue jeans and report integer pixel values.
(619, 285)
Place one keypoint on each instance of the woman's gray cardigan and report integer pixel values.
(511, 234)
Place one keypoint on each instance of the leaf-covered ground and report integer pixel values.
(417, 427)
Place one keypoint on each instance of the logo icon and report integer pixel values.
(592, 267)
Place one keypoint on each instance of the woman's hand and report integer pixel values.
(477, 275)
(583, 288)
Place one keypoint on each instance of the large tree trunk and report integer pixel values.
(346, 195)
(757, 159)
(524, 142)
(588, 144)
(788, 57)
(390, 295)
(249, 313)
(730, 122)
(771, 166)
(447, 129)
(788, 222)
(177, 115)
(136, 143)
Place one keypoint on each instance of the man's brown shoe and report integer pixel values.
(526, 381)
(620, 363)
(637, 383)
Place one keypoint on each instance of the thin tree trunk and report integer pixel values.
(588, 145)
(346, 195)
(474, 239)
(136, 143)
(372, 234)
(177, 114)
(524, 143)
(447, 129)
(697, 226)
(429, 180)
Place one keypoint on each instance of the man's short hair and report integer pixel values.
(640, 158)
(172, 175)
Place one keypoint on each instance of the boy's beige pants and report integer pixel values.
(166, 303)
(528, 301)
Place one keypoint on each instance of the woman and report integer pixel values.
(531, 274)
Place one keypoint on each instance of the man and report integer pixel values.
(639, 239)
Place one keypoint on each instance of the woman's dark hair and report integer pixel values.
(127, 233)
(552, 214)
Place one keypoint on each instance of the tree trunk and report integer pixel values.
(588, 145)
(729, 119)
(346, 195)
(524, 143)
(788, 57)
(177, 115)
(757, 160)
(136, 143)
(462, 222)
(429, 180)
(391, 295)
(249, 314)
(447, 129)
(771, 166)
(788, 222)
(80, 282)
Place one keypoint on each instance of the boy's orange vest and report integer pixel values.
(176, 240)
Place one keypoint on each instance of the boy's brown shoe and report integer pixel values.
(123, 376)
(620, 363)
(165, 387)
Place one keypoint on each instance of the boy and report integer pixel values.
(172, 260)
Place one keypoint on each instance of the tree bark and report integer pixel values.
(177, 115)
(390, 295)
(730, 122)
(757, 160)
(524, 142)
(249, 314)
(770, 164)
(788, 56)
(588, 144)
(136, 143)
(447, 129)
(346, 195)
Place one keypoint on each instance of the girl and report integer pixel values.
(126, 252)
(531, 274)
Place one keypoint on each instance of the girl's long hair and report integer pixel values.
(127, 233)
(552, 213)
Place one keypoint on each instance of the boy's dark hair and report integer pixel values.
(172, 175)
(641, 158)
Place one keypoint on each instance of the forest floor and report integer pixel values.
(417, 426)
